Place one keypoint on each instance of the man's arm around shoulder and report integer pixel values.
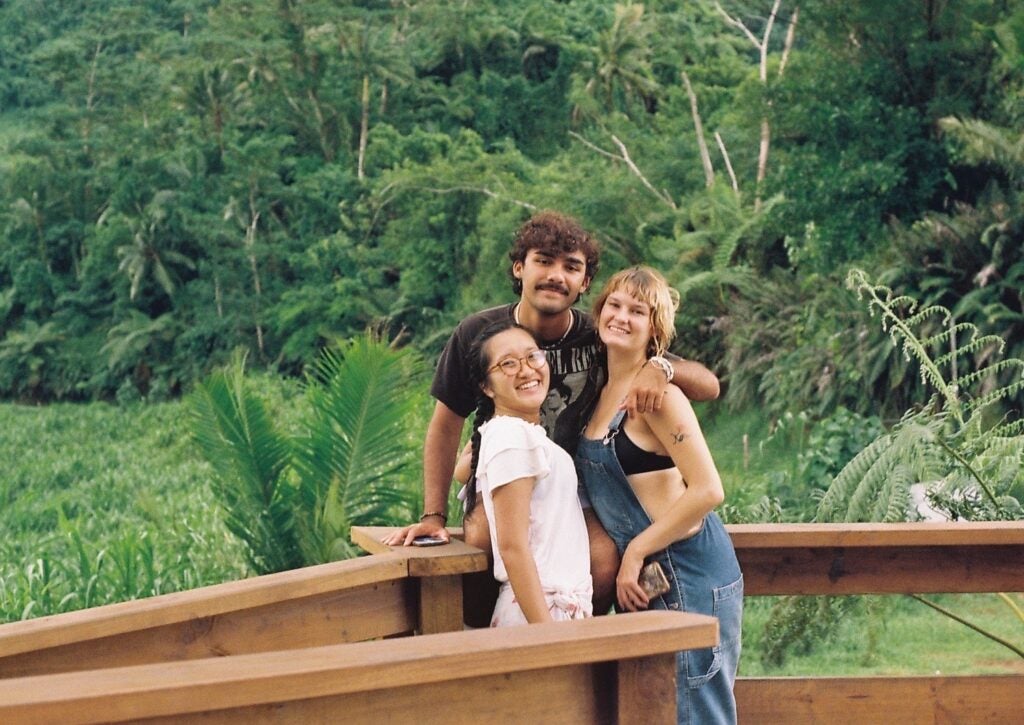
(696, 381)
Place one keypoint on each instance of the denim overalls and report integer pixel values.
(702, 570)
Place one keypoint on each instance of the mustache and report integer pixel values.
(554, 288)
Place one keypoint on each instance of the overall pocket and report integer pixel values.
(702, 665)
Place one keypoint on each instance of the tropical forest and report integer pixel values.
(236, 235)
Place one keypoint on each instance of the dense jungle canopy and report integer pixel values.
(181, 179)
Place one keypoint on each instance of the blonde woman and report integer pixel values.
(654, 486)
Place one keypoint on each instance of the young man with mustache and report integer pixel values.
(554, 260)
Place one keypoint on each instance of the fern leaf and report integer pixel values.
(847, 480)
(893, 503)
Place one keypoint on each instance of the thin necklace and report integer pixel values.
(559, 341)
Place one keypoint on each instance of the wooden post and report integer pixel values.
(646, 688)
(440, 604)
(438, 569)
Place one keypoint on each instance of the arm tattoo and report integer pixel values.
(679, 436)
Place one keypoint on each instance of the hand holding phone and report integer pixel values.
(653, 580)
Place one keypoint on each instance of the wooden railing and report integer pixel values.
(288, 633)
(297, 655)
(349, 601)
(612, 669)
(880, 559)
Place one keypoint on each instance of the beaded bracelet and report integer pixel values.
(435, 513)
(665, 366)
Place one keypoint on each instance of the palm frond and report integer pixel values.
(357, 442)
(249, 458)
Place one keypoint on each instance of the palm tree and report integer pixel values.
(24, 355)
(250, 457)
(355, 444)
(135, 343)
(987, 143)
(375, 55)
(621, 64)
(144, 254)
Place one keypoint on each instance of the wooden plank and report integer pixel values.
(904, 700)
(883, 570)
(456, 557)
(557, 695)
(181, 688)
(440, 605)
(197, 604)
(350, 615)
(647, 690)
(940, 534)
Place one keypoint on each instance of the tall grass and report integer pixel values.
(101, 504)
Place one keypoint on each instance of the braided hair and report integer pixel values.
(479, 363)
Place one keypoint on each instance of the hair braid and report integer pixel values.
(484, 412)
(478, 365)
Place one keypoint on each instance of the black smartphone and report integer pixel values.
(428, 541)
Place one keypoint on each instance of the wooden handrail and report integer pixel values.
(389, 680)
(928, 533)
(856, 700)
(909, 558)
(112, 619)
(841, 559)
(338, 602)
(401, 589)
(903, 558)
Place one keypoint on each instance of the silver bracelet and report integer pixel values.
(665, 366)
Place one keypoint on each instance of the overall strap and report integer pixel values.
(615, 426)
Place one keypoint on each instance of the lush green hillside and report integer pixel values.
(183, 179)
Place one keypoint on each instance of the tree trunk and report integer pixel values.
(762, 159)
(705, 156)
(250, 244)
(364, 126)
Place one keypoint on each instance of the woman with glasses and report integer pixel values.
(527, 485)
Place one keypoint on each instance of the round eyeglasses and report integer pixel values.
(512, 365)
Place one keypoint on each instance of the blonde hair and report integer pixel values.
(647, 285)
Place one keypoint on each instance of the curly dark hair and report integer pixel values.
(555, 234)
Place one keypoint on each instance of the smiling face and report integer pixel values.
(625, 322)
(521, 394)
(637, 303)
(551, 282)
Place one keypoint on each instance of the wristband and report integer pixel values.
(435, 513)
(665, 366)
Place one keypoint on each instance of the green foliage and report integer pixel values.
(270, 177)
(249, 457)
(100, 504)
(822, 449)
(356, 445)
(952, 443)
(969, 460)
(796, 625)
(292, 496)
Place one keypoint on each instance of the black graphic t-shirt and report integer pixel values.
(571, 394)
